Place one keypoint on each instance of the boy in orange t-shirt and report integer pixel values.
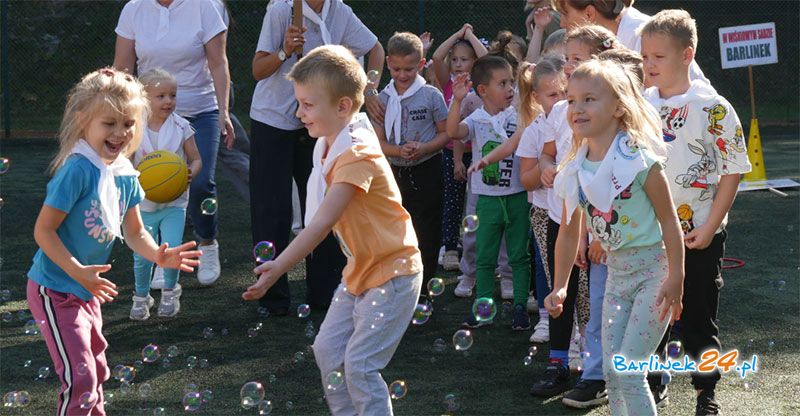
(352, 191)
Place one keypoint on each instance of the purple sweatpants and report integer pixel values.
(72, 329)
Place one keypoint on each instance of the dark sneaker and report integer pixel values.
(586, 394)
(472, 323)
(520, 321)
(659, 394)
(706, 405)
(554, 381)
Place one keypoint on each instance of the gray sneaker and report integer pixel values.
(170, 303)
(140, 310)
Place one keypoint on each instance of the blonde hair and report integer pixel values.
(632, 60)
(597, 37)
(404, 44)
(528, 107)
(642, 125)
(674, 23)
(104, 88)
(338, 71)
(154, 77)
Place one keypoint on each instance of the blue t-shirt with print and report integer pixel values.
(73, 190)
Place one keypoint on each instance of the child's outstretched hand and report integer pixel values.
(89, 277)
(477, 165)
(669, 298)
(179, 257)
(427, 42)
(549, 176)
(268, 277)
(461, 86)
(542, 17)
(554, 302)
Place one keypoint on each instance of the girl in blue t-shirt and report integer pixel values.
(92, 197)
(613, 173)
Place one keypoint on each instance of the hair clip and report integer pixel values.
(484, 42)
(607, 43)
(107, 72)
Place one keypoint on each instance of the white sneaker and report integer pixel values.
(140, 311)
(450, 261)
(541, 332)
(441, 255)
(209, 269)
(533, 304)
(170, 303)
(158, 279)
(464, 287)
(506, 288)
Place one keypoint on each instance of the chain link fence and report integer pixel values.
(48, 44)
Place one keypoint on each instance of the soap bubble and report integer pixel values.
(373, 76)
(191, 387)
(31, 328)
(86, 401)
(398, 389)
(44, 372)
(202, 363)
(150, 353)
(675, 350)
(23, 399)
(124, 388)
(303, 311)
(771, 344)
(127, 374)
(401, 267)
(208, 332)
(379, 296)
(27, 363)
(209, 206)
(528, 360)
(377, 320)
(192, 402)
(191, 361)
(264, 407)
(462, 339)
(781, 285)
(451, 402)
(334, 380)
(484, 309)
(252, 393)
(144, 390)
(251, 332)
(439, 345)
(422, 313)
(4, 165)
(225, 331)
(108, 398)
(264, 251)
(206, 395)
(533, 350)
(10, 399)
(138, 365)
(289, 405)
(172, 351)
(436, 286)
(299, 357)
(159, 411)
(5, 295)
(470, 223)
(7, 317)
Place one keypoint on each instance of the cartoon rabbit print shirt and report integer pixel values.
(705, 141)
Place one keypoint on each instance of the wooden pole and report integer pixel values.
(297, 20)
(752, 93)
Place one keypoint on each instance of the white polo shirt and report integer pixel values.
(173, 38)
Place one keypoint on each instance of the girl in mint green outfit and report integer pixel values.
(615, 177)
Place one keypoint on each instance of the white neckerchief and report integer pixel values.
(358, 131)
(309, 14)
(698, 90)
(497, 121)
(106, 187)
(169, 130)
(394, 110)
(616, 172)
(163, 18)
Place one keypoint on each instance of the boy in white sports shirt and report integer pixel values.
(706, 157)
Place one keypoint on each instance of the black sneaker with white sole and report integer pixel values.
(706, 405)
(520, 321)
(472, 323)
(586, 394)
(554, 381)
(659, 394)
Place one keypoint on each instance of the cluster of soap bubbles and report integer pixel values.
(194, 398)
(16, 399)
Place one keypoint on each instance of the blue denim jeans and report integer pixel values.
(593, 364)
(207, 137)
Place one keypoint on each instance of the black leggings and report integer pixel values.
(561, 327)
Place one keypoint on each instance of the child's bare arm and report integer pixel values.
(700, 237)
(440, 54)
(88, 276)
(657, 189)
(142, 243)
(529, 173)
(333, 205)
(566, 252)
(547, 164)
(437, 143)
(459, 170)
(193, 156)
(476, 43)
(389, 149)
(506, 149)
(541, 18)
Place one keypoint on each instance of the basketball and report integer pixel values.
(163, 175)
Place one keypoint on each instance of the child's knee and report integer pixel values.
(325, 356)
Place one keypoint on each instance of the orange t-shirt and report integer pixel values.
(375, 231)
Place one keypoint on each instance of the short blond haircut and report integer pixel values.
(676, 24)
(404, 44)
(336, 70)
(155, 76)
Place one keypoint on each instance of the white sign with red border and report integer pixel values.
(748, 45)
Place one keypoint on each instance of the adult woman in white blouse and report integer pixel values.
(188, 39)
